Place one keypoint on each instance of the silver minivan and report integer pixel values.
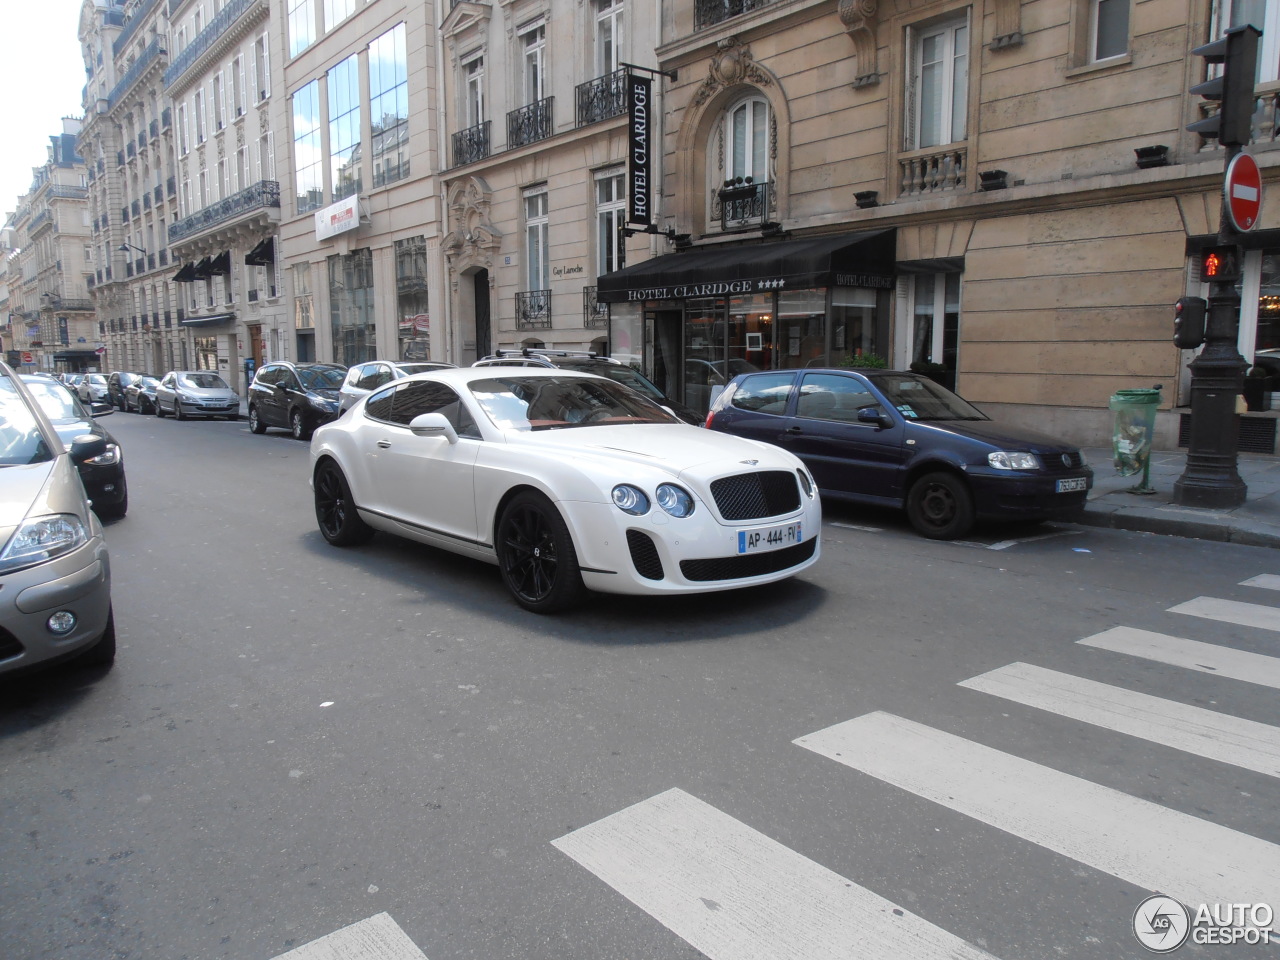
(55, 573)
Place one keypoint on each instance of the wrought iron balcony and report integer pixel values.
(136, 20)
(262, 195)
(471, 144)
(156, 49)
(208, 37)
(530, 123)
(741, 205)
(602, 98)
(594, 313)
(707, 13)
(69, 193)
(533, 309)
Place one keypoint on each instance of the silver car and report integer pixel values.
(55, 573)
(366, 377)
(196, 393)
(92, 388)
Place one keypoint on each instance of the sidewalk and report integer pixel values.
(1256, 522)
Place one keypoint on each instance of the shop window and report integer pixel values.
(411, 299)
(928, 334)
(351, 313)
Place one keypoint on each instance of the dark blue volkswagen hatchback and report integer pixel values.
(898, 439)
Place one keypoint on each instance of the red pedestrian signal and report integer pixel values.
(1219, 265)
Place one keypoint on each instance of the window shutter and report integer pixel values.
(910, 134)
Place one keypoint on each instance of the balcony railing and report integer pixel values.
(262, 195)
(602, 98)
(939, 171)
(154, 51)
(529, 124)
(471, 144)
(533, 309)
(741, 205)
(594, 313)
(206, 38)
(707, 13)
(136, 20)
(69, 193)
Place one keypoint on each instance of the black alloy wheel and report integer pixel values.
(940, 506)
(536, 555)
(298, 425)
(255, 422)
(336, 514)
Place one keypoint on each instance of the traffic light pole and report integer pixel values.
(1212, 477)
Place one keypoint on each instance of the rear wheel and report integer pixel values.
(940, 506)
(536, 555)
(336, 514)
(255, 422)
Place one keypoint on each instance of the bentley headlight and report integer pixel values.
(630, 500)
(675, 500)
(1005, 460)
(39, 539)
(806, 483)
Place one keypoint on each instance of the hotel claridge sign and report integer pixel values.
(1001, 194)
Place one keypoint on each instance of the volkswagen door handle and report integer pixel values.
(794, 430)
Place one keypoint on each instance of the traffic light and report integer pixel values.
(1232, 125)
(1188, 322)
(1220, 265)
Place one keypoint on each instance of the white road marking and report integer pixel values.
(1206, 733)
(377, 938)
(1267, 581)
(736, 894)
(1231, 611)
(1189, 654)
(1006, 544)
(1151, 846)
(854, 526)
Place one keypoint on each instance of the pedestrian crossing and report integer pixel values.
(736, 894)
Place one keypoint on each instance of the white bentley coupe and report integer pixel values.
(566, 481)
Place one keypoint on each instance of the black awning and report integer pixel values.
(75, 354)
(863, 259)
(201, 271)
(208, 321)
(221, 264)
(186, 274)
(263, 255)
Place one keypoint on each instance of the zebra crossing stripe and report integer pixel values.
(1267, 581)
(377, 938)
(1206, 733)
(1190, 654)
(1231, 611)
(1148, 845)
(736, 894)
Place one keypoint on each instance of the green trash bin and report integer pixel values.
(1135, 423)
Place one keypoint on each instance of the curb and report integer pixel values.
(1148, 520)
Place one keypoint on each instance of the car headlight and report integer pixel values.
(1006, 460)
(112, 455)
(630, 500)
(43, 538)
(806, 483)
(322, 403)
(675, 500)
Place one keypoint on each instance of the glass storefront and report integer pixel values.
(351, 307)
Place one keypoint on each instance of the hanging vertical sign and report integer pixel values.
(639, 90)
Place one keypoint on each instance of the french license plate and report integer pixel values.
(1072, 485)
(762, 539)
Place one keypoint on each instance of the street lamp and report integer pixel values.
(126, 247)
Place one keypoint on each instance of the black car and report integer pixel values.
(140, 396)
(296, 396)
(103, 475)
(901, 440)
(118, 381)
(586, 362)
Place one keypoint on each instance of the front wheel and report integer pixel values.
(159, 409)
(336, 514)
(536, 555)
(940, 506)
(178, 412)
(255, 422)
(103, 652)
(298, 426)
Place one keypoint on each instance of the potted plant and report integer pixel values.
(865, 360)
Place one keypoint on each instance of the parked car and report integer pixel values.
(586, 362)
(196, 393)
(117, 382)
(901, 440)
(296, 396)
(73, 381)
(55, 571)
(140, 396)
(92, 387)
(366, 377)
(565, 481)
(103, 474)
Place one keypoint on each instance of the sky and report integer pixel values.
(44, 74)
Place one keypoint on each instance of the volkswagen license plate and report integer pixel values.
(1072, 485)
(762, 539)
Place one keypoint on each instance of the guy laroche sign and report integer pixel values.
(639, 94)
(338, 218)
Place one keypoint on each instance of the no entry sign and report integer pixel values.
(1242, 191)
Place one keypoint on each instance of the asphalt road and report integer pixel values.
(297, 738)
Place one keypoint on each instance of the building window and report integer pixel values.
(308, 159)
(344, 128)
(219, 103)
(389, 106)
(1263, 14)
(244, 176)
(237, 87)
(267, 156)
(184, 134)
(608, 36)
(302, 25)
(1108, 29)
(747, 136)
(928, 344)
(537, 249)
(474, 86)
(939, 87)
(535, 49)
(611, 211)
(335, 11)
(411, 299)
(303, 309)
(351, 307)
(261, 69)
(198, 109)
